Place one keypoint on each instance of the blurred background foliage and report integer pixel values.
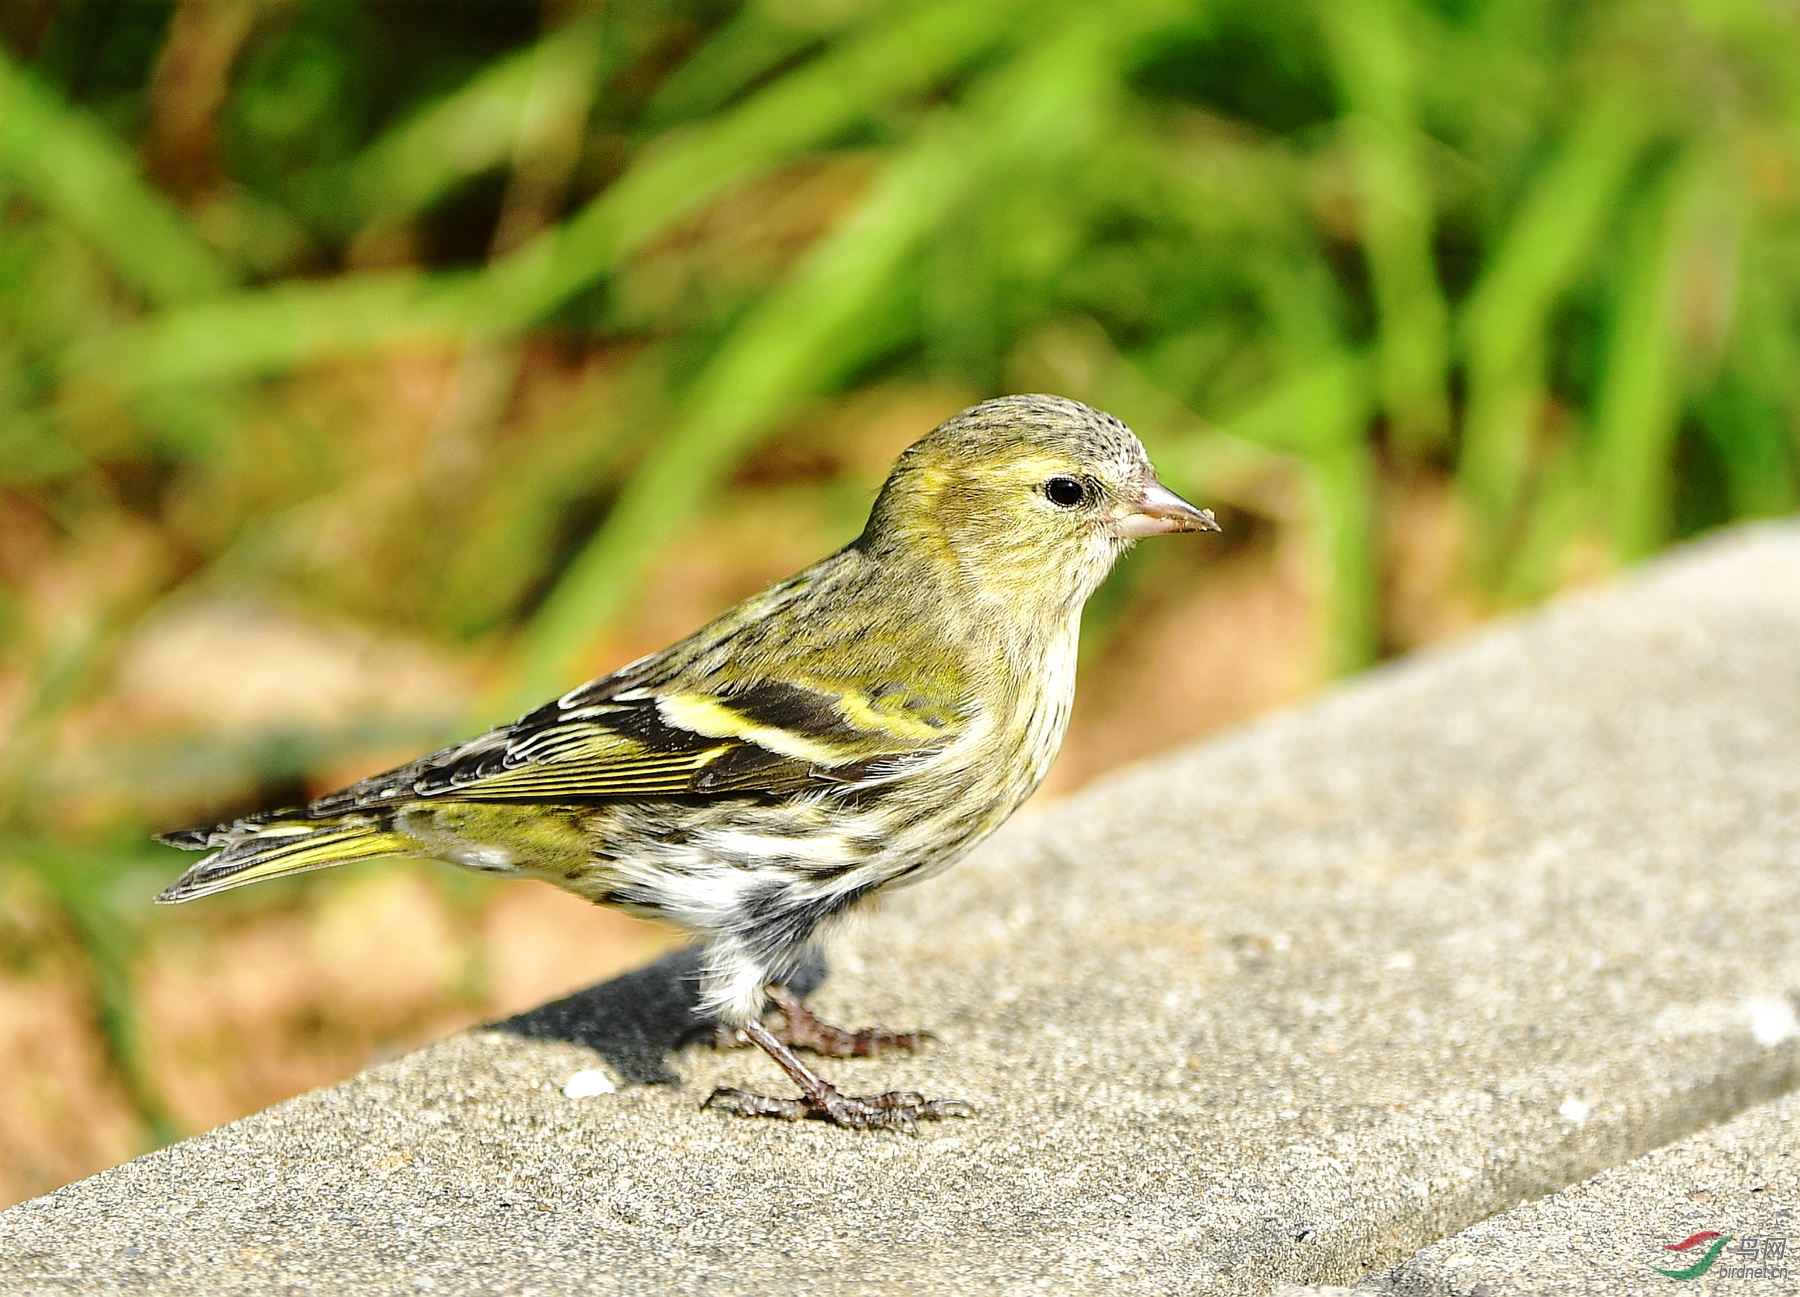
(369, 371)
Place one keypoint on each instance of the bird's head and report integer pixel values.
(1032, 498)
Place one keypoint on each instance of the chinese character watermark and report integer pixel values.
(1733, 1256)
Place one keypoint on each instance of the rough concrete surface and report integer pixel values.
(1602, 1237)
(1282, 1009)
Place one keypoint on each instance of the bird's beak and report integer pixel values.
(1158, 510)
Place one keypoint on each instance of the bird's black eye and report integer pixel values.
(1066, 492)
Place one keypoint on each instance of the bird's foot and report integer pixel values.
(900, 1110)
(802, 1029)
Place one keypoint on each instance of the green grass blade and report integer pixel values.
(1749, 412)
(597, 430)
(1372, 58)
(477, 127)
(90, 889)
(1640, 393)
(1342, 486)
(1505, 325)
(1317, 412)
(1563, 510)
(753, 42)
(1321, 415)
(272, 329)
(1749, 434)
(679, 172)
(77, 171)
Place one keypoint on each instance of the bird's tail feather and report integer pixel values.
(249, 853)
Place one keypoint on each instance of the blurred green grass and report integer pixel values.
(1547, 252)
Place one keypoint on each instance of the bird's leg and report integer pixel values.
(895, 1110)
(802, 1030)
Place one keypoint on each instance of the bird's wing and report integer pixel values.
(768, 738)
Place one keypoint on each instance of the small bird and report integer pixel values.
(858, 727)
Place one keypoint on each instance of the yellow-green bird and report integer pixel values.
(858, 727)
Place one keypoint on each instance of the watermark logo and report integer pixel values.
(1711, 1239)
(1747, 1256)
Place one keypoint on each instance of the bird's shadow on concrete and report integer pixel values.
(636, 1022)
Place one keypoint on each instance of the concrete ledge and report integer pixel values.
(1602, 1237)
(1285, 1009)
